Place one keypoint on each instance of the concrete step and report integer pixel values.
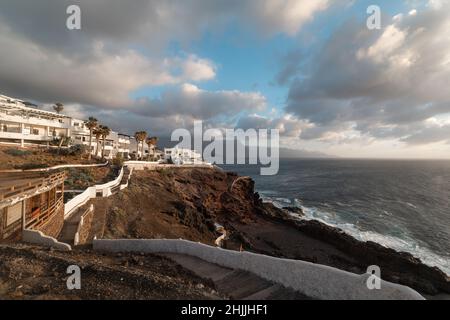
(200, 267)
(241, 284)
(236, 284)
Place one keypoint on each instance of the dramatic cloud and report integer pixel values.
(383, 84)
(189, 100)
(101, 79)
(122, 49)
(287, 125)
(155, 21)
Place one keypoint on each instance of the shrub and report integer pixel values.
(18, 153)
(78, 150)
(118, 160)
(31, 166)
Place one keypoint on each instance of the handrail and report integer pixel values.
(44, 217)
(7, 192)
(62, 166)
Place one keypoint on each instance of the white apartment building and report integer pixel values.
(124, 145)
(81, 135)
(182, 156)
(26, 126)
(23, 125)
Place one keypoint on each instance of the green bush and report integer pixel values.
(18, 153)
(79, 178)
(31, 166)
(118, 160)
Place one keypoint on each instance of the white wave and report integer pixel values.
(406, 244)
(277, 202)
(411, 205)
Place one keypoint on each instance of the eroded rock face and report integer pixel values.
(186, 203)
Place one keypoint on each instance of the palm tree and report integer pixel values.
(97, 132)
(137, 137)
(58, 107)
(140, 137)
(151, 142)
(105, 132)
(62, 140)
(91, 124)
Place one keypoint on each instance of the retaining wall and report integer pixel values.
(37, 237)
(313, 280)
(84, 226)
(91, 193)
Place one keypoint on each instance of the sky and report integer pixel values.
(309, 68)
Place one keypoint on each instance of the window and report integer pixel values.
(13, 214)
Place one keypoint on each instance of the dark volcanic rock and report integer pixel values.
(185, 203)
(400, 267)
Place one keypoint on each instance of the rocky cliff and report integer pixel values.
(189, 203)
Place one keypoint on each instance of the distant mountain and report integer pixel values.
(285, 153)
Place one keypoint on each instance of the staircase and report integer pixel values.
(236, 284)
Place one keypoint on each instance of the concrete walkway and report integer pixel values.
(236, 284)
(70, 227)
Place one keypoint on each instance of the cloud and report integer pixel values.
(287, 125)
(122, 49)
(189, 100)
(153, 22)
(385, 83)
(97, 77)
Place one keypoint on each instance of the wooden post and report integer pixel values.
(23, 215)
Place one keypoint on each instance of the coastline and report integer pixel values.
(189, 203)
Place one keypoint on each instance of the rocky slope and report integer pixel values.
(28, 272)
(187, 203)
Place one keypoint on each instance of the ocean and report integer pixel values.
(401, 204)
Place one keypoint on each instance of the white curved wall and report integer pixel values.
(91, 193)
(316, 281)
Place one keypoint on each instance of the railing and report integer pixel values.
(91, 193)
(62, 166)
(40, 217)
(36, 184)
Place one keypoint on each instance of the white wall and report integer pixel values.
(91, 193)
(37, 237)
(313, 280)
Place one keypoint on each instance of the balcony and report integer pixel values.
(19, 136)
(34, 121)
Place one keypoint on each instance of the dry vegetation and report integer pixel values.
(28, 272)
(16, 158)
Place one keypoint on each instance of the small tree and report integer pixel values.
(140, 137)
(91, 124)
(151, 142)
(105, 133)
(58, 107)
(98, 133)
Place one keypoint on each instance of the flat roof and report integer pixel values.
(28, 110)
